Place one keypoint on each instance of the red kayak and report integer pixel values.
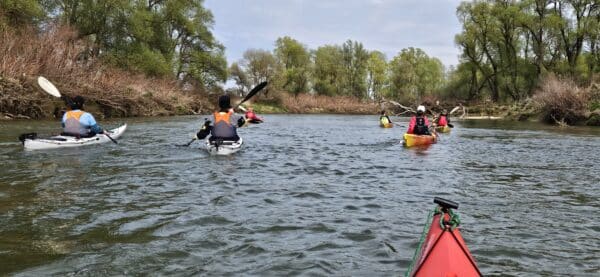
(443, 252)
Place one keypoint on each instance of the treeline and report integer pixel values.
(508, 46)
(340, 70)
(158, 38)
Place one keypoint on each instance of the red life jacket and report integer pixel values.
(442, 121)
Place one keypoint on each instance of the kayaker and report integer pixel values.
(419, 124)
(443, 120)
(252, 117)
(224, 123)
(384, 119)
(79, 123)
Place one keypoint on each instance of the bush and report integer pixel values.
(561, 101)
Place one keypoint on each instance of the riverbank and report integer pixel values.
(23, 99)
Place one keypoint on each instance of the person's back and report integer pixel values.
(224, 126)
(224, 123)
(443, 119)
(419, 124)
(384, 119)
(79, 123)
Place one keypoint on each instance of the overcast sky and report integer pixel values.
(384, 25)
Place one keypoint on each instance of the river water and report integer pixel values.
(308, 195)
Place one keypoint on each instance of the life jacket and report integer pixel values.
(442, 121)
(223, 128)
(73, 126)
(420, 127)
(250, 115)
(384, 120)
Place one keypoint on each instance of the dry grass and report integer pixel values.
(307, 103)
(58, 55)
(561, 101)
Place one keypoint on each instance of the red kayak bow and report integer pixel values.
(443, 252)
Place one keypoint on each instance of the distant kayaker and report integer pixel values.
(443, 120)
(384, 119)
(419, 124)
(79, 123)
(252, 117)
(224, 123)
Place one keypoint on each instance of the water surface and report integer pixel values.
(308, 195)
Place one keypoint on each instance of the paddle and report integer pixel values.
(250, 94)
(48, 87)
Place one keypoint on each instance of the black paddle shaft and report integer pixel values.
(444, 203)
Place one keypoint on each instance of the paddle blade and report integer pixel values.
(454, 110)
(254, 91)
(48, 87)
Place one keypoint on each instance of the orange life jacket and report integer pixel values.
(225, 117)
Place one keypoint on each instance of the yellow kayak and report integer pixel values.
(386, 125)
(443, 129)
(415, 140)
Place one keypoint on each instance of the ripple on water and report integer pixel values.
(309, 195)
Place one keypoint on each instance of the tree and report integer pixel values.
(354, 60)
(159, 38)
(19, 13)
(237, 74)
(260, 66)
(414, 74)
(294, 59)
(328, 72)
(376, 74)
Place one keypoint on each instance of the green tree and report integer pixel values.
(376, 74)
(259, 65)
(161, 38)
(414, 74)
(19, 13)
(239, 76)
(328, 72)
(354, 60)
(294, 59)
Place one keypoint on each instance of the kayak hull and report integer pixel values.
(443, 129)
(444, 252)
(224, 149)
(416, 140)
(386, 125)
(68, 141)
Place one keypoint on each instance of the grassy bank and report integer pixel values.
(305, 103)
(60, 56)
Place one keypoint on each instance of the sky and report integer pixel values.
(384, 25)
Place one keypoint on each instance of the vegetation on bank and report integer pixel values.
(521, 59)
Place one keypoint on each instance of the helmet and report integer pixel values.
(77, 102)
(224, 102)
(421, 108)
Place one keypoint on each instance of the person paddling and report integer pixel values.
(78, 123)
(224, 124)
(384, 119)
(443, 120)
(252, 117)
(419, 124)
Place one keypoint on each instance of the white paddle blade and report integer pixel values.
(48, 87)
(242, 108)
(454, 110)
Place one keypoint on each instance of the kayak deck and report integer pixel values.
(223, 148)
(443, 252)
(415, 140)
(69, 141)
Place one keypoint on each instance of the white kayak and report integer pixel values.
(69, 141)
(224, 147)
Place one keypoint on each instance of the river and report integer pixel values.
(308, 195)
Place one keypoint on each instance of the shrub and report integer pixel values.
(561, 100)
